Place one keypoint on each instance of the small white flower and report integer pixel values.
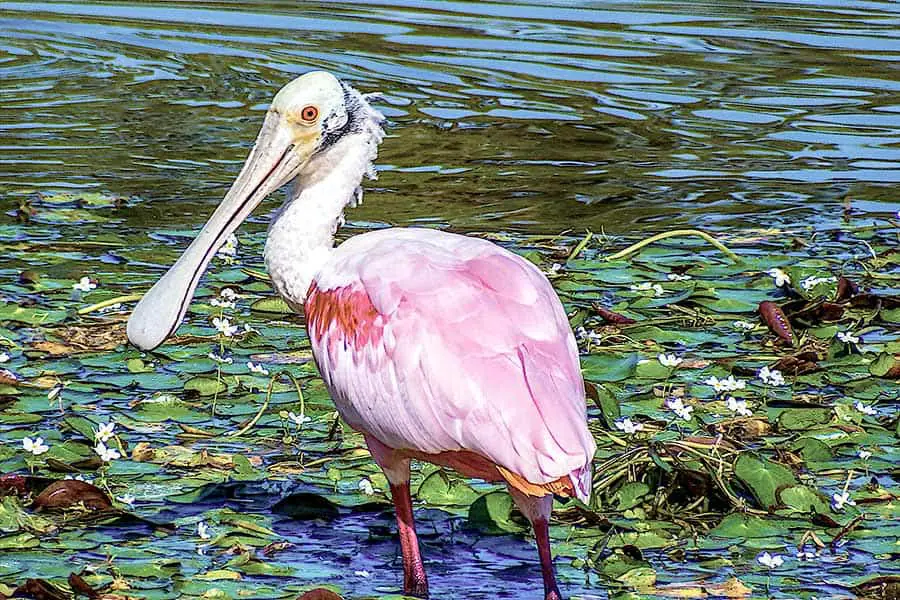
(669, 360)
(865, 408)
(260, 369)
(84, 285)
(781, 278)
(555, 268)
(679, 408)
(647, 286)
(104, 431)
(865, 454)
(224, 326)
(126, 499)
(4, 357)
(106, 454)
(738, 406)
(840, 500)
(361, 573)
(628, 426)
(300, 419)
(771, 376)
(772, 561)
(36, 446)
(229, 249)
(729, 384)
(744, 325)
(203, 531)
(222, 360)
(227, 299)
(248, 329)
(847, 337)
(677, 277)
(812, 281)
(365, 486)
(222, 303)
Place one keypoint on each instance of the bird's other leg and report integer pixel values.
(415, 582)
(537, 509)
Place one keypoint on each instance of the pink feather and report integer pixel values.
(437, 342)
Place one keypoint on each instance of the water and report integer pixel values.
(522, 118)
(545, 117)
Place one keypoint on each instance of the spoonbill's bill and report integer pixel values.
(437, 347)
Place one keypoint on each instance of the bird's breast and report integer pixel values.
(342, 315)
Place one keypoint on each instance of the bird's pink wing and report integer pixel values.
(436, 342)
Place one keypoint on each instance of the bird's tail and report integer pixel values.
(581, 482)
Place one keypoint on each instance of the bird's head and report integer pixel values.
(312, 122)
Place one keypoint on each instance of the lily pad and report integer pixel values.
(763, 478)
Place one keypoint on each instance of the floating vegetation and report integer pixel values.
(745, 413)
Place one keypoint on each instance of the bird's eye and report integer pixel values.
(309, 113)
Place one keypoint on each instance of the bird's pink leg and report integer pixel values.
(537, 510)
(415, 582)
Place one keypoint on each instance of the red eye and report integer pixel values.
(309, 113)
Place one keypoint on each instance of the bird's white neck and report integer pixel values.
(301, 236)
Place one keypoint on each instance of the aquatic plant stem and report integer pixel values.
(581, 245)
(675, 233)
(109, 302)
(258, 415)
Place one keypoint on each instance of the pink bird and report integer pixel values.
(436, 347)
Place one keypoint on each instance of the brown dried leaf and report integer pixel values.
(69, 492)
(612, 317)
(53, 348)
(744, 428)
(29, 277)
(8, 377)
(13, 484)
(798, 364)
(40, 589)
(143, 452)
(80, 586)
(776, 320)
(846, 289)
(883, 587)
(99, 336)
(733, 588)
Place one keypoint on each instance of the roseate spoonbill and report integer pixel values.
(437, 347)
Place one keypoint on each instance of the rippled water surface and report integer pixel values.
(542, 117)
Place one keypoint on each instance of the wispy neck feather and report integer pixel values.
(301, 236)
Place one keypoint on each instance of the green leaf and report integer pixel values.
(795, 419)
(205, 386)
(274, 305)
(608, 405)
(608, 367)
(651, 369)
(741, 525)
(812, 449)
(491, 513)
(630, 495)
(763, 477)
(885, 364)
(30, 315)
(800, 499)
(441, 489)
